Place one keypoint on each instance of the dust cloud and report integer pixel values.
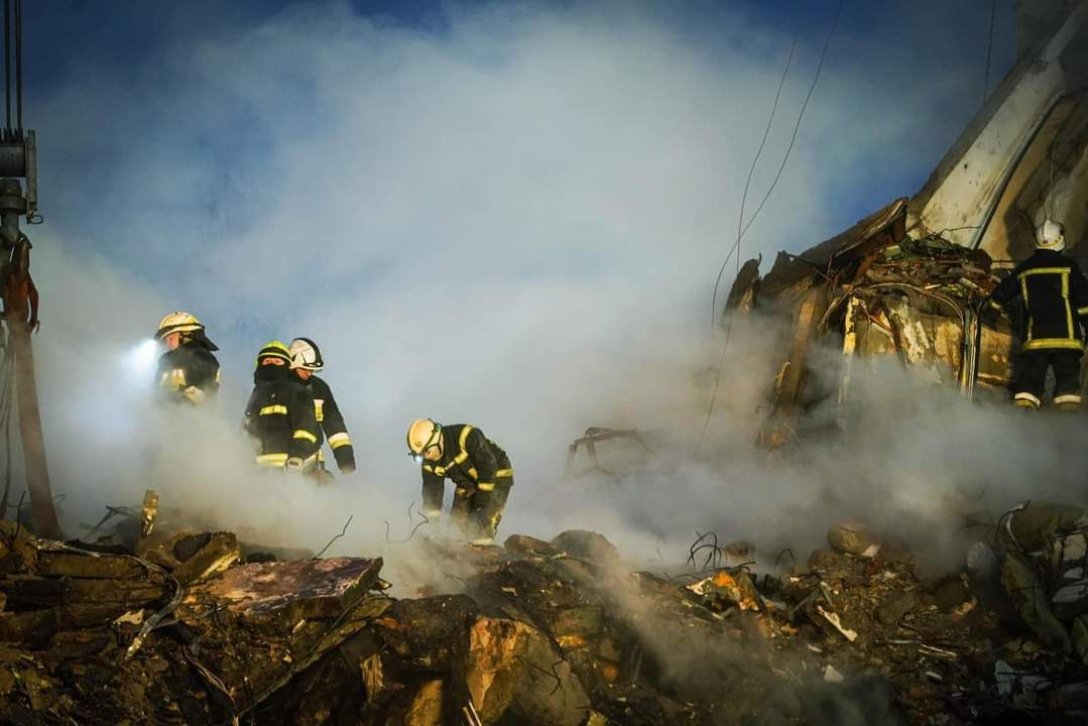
(512, 222)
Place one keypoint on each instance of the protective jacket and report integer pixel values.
(472, 461)
(331, 424)
(190, 372)
(1055, 297)
(280, 417)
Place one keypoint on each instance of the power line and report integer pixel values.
(989, 51)
(744, 229)
(781, 167)
(755, 160)
(800, 117)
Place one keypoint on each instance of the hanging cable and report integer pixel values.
(755, 159)
(774, 182)
(793, 139)
(7, 60)
(19, 67)
(989, 51)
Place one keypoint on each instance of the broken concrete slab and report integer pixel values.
(589, 546)
(429, 633)
(853, 539)
(520, 544)
(26, 591)
(205, 556)
(68, 562)
(297, 590)
(513, 669)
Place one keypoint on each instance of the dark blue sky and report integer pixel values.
(63, 38)
(916, 44)
(63, 35)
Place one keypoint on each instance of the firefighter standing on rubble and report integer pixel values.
(188, 371)
(306, 361)
(1055, 298)
(479, 469)
(280, 413)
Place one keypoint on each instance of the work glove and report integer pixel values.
(194, 394)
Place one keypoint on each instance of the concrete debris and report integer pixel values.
(726, 589)
(836, 621)
(588, 546)
(539, 632)
(875, 293)
(149, 512)
(833, 676)
(892, 610)
(852, 539)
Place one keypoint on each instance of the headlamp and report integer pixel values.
(141, 357)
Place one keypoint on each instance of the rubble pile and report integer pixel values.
(192, 630)
(874, 292)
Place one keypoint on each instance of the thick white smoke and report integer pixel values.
(514, 223)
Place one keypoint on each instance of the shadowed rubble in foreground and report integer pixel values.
(560, 632)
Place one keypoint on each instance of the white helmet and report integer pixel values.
(1050, 236)
(306, 355)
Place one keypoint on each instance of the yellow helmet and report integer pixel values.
(423, 435)
(178, 322)
(274, 349)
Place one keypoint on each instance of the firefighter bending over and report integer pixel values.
(280, 413)
(479, 469)
(1055, 296)
(306, 361)
(188, 370)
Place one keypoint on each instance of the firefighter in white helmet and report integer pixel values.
(306, 361)
(479, 469)
(188, 371)
(1054, 294)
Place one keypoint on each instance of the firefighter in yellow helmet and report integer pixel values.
(1054, 294)
(188, 371)
(479, 469)
(280, 413)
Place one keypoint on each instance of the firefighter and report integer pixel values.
(1055, 298)
(479, 469)
(306, 361)
(188, 370)
(280, 413)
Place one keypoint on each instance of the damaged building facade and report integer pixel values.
(909, 281)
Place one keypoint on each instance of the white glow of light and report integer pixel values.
(141, 359)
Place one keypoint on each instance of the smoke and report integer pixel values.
(511, 221)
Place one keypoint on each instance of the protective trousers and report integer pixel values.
(475, 520)
(1031, 378)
